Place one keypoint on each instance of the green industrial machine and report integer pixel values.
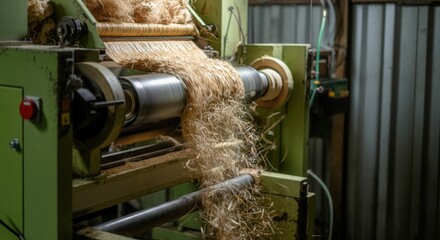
(63, 109)
(229, 19)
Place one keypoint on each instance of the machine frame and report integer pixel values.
(39, 197)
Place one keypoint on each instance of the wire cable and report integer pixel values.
(16, 233)
(329, 39)
(329, 198)
(240, 27)
(314, 84)
(225, 38)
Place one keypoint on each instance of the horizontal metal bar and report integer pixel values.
(106, 103)
(130, 181)
(141, 156)
(156, 216)
(114, 156)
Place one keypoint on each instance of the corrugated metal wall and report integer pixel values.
(393, 184)
(284, 23)
(394, 133)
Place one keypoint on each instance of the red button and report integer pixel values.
(28, 109)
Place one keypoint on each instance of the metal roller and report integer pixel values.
(152, 97)
(255, 83)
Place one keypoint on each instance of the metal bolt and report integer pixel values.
(15, 144)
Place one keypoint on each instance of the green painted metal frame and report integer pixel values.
(164, 233)
(291, 136)
(89, 234)
(153, 175)
(291, 201)
(46, 144)
(11, 161)
(77, 9)
(14, 14)
(217, 13)
(293, 205)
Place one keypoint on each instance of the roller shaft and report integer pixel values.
(153, 217)
(155, 97)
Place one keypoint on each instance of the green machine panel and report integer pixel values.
(292, 133)
(36, 182)
(230, 16)
(11, 158)
(14, 14)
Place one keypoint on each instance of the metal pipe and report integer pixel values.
(153, 217)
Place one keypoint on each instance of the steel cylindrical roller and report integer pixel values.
(152, 97)
(255, 83)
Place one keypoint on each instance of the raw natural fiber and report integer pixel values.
(115, 11)
(161, 12)
(216, 125)
(39, 10)
(41, 27)
(140, 30)
(213, 118)
(139, 11)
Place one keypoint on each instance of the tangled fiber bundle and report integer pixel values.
(161, 12)
(116, 11)
(40, 26)
(215, 125)
(139, 11)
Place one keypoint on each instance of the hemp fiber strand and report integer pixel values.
(216, 125)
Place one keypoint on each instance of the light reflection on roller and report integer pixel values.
(152, 97)
(155, 97)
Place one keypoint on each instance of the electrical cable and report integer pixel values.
(314, 83)
(310, 22)
(227, 32)
(331, 23)
(329, 38)
(329, 198)
(242, 36)
(17, 234)
(238, 19)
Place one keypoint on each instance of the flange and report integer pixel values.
(108, 84)
(276, 95)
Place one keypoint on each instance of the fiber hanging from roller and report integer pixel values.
(215, 123)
